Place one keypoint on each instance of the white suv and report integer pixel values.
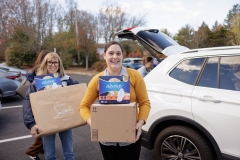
(195, 104)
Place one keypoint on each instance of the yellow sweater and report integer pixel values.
(138, 93)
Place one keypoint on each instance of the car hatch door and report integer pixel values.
(153, 40)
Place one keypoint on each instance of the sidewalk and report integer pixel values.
(81, 71)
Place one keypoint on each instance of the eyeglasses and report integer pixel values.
(49, 63)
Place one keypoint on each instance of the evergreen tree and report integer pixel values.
(230, 16)
(165, 31)
(202, 36)
(185, 36)
(215, 26)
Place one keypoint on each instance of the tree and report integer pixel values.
(86, 30)
(113, 18)
(126, 48)
(232, 25)
(65, 43)
(202, 36)
(138, 20)
(235, 30)
(185, 36)
(165, 31)
(18, 52)
(37, 18)
(218, 38)
(228, 22)
(215, 26)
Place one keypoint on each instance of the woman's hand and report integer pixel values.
(89, 121)
(35, 131)
(139, 125)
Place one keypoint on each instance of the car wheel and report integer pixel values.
(182, 143)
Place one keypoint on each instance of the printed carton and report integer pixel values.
(47, 81)
(114, 89)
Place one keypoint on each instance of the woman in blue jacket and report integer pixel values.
(37, 147)
(50, 64)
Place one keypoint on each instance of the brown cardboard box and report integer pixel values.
(56, 110)
(113, 122)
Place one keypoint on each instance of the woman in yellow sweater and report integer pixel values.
(113, 54)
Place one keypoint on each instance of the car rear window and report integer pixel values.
(158, 40)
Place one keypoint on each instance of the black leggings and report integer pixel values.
(130, 152)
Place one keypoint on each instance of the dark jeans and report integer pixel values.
(36, 148)
(130, 152)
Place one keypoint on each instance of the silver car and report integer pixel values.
(23, 71)
(9, 82)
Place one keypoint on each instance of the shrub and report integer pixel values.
(99, 66)
(66, 60)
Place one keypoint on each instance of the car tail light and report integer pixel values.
(12, 77)
(24, 75)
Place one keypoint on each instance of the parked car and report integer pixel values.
(14, 75)
(134, 63)
(0, 100)
(8, 83)
(194, 96)
(23, 71)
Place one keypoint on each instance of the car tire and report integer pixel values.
(180, 142)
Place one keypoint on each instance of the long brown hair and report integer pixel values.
(39, 60)
(43, 67)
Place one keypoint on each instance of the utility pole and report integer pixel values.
(78, 54)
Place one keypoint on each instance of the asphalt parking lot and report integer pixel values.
(15, 137)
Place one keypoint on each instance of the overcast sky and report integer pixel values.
(170, 14)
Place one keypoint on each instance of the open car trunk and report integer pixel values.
(152, 40)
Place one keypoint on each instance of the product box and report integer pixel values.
(114, 89)
(47, 81)
(113, 122)
(56, 110)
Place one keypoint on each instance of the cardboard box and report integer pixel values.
(113, 122)
(114, 89)
(47, 81)
(56, 110)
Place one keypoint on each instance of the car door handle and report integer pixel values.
(208, 98)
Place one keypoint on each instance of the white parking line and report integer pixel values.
(14, 139)
(12, 107)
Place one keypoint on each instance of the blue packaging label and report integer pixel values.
(114, 89)
(47, 81)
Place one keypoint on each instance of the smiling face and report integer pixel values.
(114, 57)
(52, 65)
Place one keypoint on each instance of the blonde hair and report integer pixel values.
(43, 67)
